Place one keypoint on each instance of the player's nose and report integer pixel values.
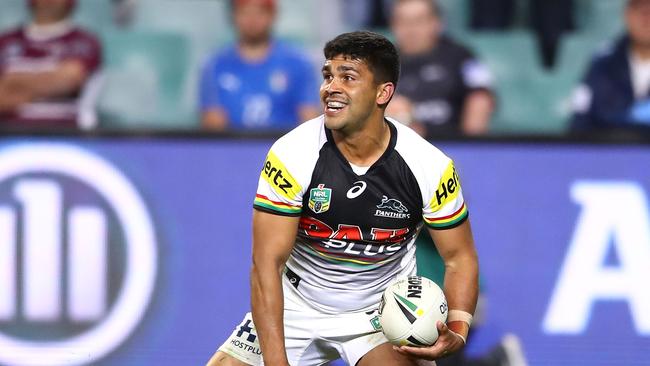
(333, 86)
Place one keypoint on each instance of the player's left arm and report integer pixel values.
(447, 219)
(456, 247)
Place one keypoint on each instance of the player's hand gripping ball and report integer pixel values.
(410, 309)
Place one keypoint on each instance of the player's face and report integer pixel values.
(254, 21)
(637, 17)
(348, 93)
(50, 10)
(415, 26)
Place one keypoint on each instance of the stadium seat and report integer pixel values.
(297, 20)
(601, 18)
(94, 15)
(512, 54)
(575, 53)
(514, 60)
(456, 15)
(144, 76)
(12, 13)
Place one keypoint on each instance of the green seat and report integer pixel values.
(298, 20)
(456, 15)
(514, 60)
(575, 54)
(144, 74)
(601, 18)
(205, 23)
(94, 15)
(509, 55)
(576, 51)
(12, 13)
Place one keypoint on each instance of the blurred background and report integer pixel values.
(133, 132)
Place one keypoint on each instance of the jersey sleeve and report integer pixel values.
(445, 207)
(279, 190)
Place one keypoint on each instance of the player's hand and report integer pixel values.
(448, 342)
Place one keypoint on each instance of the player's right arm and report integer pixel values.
(273, 240)
(278, 206)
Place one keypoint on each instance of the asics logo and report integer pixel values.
(356, 190)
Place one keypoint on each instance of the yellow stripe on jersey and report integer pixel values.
(279, 178)
(448, 189)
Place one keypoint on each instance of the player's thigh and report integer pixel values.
(385, 355)
(223, 359)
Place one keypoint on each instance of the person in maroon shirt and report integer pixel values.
(44, 67)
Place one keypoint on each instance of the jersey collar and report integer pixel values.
(382, 158)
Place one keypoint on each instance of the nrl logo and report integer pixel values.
(392, 208)
(320, 198)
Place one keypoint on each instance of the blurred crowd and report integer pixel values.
(55, 73)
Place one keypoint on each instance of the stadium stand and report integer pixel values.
(12, 13)
(165, 46)
(602, 19)
(144, 76)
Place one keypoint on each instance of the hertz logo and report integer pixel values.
(448, 188)
(278, 177)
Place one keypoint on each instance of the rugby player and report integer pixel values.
(340, 201)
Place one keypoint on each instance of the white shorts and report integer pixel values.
(311, 337)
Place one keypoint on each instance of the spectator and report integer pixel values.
(615, 91)
(447, 86)
(44, 67)
(258, 82)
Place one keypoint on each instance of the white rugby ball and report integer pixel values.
(410, 309)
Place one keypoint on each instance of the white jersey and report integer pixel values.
(356, 232)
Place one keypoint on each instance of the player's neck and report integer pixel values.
(365, 146)
(254, 50)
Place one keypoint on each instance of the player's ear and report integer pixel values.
(385, 92)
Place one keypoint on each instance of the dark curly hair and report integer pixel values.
(374, 49)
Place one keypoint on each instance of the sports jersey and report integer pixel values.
(27, 50)
(437, 83)
(356, 232)
(262, 95)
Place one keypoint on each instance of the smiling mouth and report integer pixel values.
(333, 108)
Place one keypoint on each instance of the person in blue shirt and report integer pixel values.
(615, 93)
(258, 82)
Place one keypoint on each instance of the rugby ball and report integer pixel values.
(410, 309)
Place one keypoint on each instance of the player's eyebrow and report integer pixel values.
(344, 68)
(341, 68)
